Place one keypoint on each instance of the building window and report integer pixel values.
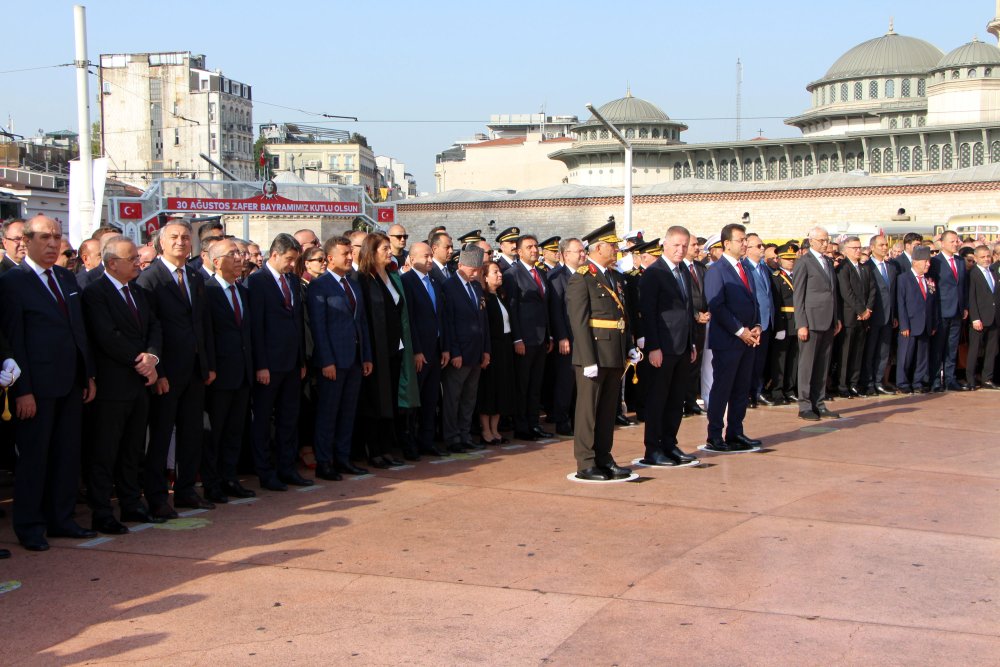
(772, 169)
(964, 156)
(861, 161)
(921, 121)
(904, 159)
(918, 158)
(604, 134)
(723, 171)
(710, 171)
(643, 133)
(849, 162)
(873, 90)
(907, 121)
(890, 88)
(893, 123)
(995, 151)
(955, 74)
(630, 133)
(824, 163)
(843, 92)
(734, 171)
(747, 170)
(977, 154)
(834, 163)
(214, 142)
(905, 87)
(947, 153)
(758, 170)
(593, 135)
(699, 170)
(972, 73)
(677, 171)
(858, 91)
(809, 165)
(988, 71)
(876, 161)
(656, 133)
(687, 170)
(211, 111)
(887, 161)
(934, 156)
(822, 96)
(797, 167)
(783, 169)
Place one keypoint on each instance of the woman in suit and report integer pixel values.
(310, 265)
(391, 386)
(496, 397)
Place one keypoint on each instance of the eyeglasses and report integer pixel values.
(14, 239)
(400, 236)
(131, 260)
(69, 253)
(759, 245)
(316, 259)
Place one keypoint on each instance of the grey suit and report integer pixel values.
(815, 297)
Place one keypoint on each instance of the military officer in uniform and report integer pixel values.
(636, 376)
(549, 260)
(475, 236)
(784, 348)
(508, 247)
(597, 317)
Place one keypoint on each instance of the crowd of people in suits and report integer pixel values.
(141, 372)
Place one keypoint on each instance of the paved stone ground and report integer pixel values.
(875, 543)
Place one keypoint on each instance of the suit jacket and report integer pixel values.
(761, 279)
(340, 336)
(590, 295)
(731, 305)
(52, 350)
(916, 314)
(117, 338)
(668, 317)
(438, 275)
(529, 310)
(277, 334)
(558, 316)
(467, 327)
(783, 294)
(952, 292)
(427, 328)
(983, 302)
(84, 278)
(857, 293)
(902, 263)
(697, 283)
(884, 308)
(6, 264)
(186, 325)
(233, 343)
(815, 293)
(504, 263)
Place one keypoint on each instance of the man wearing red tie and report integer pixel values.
(947, 270)
(916, 302)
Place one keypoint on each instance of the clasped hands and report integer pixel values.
(751, 336)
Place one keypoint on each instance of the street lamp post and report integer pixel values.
(628, 163)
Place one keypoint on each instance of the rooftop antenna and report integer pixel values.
(739, 96)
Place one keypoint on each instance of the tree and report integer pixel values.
(95, 139)
(358, 139)
(258, 146)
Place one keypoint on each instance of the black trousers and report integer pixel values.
(563, 388)
(183, 408)
(429, 385)
(665, 401)
(989, 335)
(852, 349)
(597, 402)
(280, 399)
(784, 368)
(227, 411)
(48, 465)
(119, 443)
(529, 369)
(876, 355)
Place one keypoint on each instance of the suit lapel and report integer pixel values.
(118, 301)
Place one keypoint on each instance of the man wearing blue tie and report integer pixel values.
(759, 274)
(882, 274)
(985, 325)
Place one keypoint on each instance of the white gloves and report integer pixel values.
(780, 335)
(641, 343)
(590, 371)
(634, 355)
(9, 373)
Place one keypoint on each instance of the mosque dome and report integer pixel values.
(970, 55)
(889, 55)
(636, 117)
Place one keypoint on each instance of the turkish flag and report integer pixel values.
(129, 210)
(152, 225)
(386, 214)
(263, 159)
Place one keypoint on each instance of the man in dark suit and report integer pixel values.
(984, 301)
(598, 319)
(99, 237)
(425, 303)
(882, 275)
(278, 344)
(468, 335)
(910, 241)
(696, 272)
(818, 320)
(126, 340)
(342, 354)
(916, 305)
(13, 244)
(857, 301)
(177, 294)
(529, 323)
(43, 320)
(9, 373)
(563, 379)
(507, 240)
(734, 333)
(667, 311)
(441, 247)
(757, 271)
(949, 273)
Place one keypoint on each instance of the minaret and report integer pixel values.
(993, 27)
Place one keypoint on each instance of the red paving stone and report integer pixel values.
(877, 543)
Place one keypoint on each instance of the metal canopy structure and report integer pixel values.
(139, 217)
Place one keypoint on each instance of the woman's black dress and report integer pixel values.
(496, 383)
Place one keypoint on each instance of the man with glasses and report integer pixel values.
(857, 302)
(13, 244)
(758, 272)
(397, 244)
(67, 256)
(815, 297)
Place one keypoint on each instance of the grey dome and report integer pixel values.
(888, 55)
(630, 109)
(971, 54)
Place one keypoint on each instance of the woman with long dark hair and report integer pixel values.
(496, 382)
(391, 386)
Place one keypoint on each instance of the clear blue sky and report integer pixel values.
(421, 74)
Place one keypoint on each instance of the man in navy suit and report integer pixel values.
(882, 274)
(666, 305)
(984, 299)
(42, 318)
(468, 334)
(948, 271)
(910, 241)
(425, 302)
(126, 340)
(732, 337)
(760, 277)
(563, 380)
(916, 305)
(177, 294)
(529, 324)
(342, 354)
(278, 344)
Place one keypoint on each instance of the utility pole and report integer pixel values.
(86, 189)
(739, 97)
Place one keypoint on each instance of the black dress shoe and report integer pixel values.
(791, 398)
(566, 430)
(457, 448)
(808, 415)
(140, 515)
(433, 451)
(623, 420)
(617, 472)
(854, 393)
(676, 454)
(473, 446)
(274, 484)
(216, 496)
(989, 385)
(594, 474)
(379, 462)
(36, 544)
(955, 386)
(657, 458)
(753, 403)
(349, 469)
(826, 413)
(527, 436)
(844, 394)
(4, 554)
(484, 443)
(501, 441)
(717, 445)
(164, 512)
(764, 400)
(411, 454)
(327, 472)
(194, 501)
(743, 442)
(295, 479)
(541, 433)
(237, 490)
(693, 410)
(109, 526)
(74, 532)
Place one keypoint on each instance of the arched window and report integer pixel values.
(977, 154)
(905, 87)
(972, 73)
(604, 134)
(861, 160)
(873, 90)
(699, 170)
(887, 161)
(824, 163)
(988, 71)
(643, 133)
(964, 156)
(723, 171)
(809, 165)
(890, 88)
(734, 170)
(797, 167)
(849, 162)
(947, 153)
(783, 169)
(843, 92)
(710, 171)
(921, 87)
(907, 121)
(904, 159)
(677, 171)
(918, 158)
(934, 157)
(758, 170)
(876, 161)
(822, 96)
(955, 73)
(921, 121)
(858, 91)
(593, 135)
(630, 133)
(833, 93)
(893, 123)
(772, 169)
(656, 133)
(834, 163)
(747, 170)
(687, 170)
(995, 151)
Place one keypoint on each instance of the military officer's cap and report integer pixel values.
(649, 247)
(551, 244)
(471, 237)
(509, 234)
(787, 251)
(605, 233)
(712, 241)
